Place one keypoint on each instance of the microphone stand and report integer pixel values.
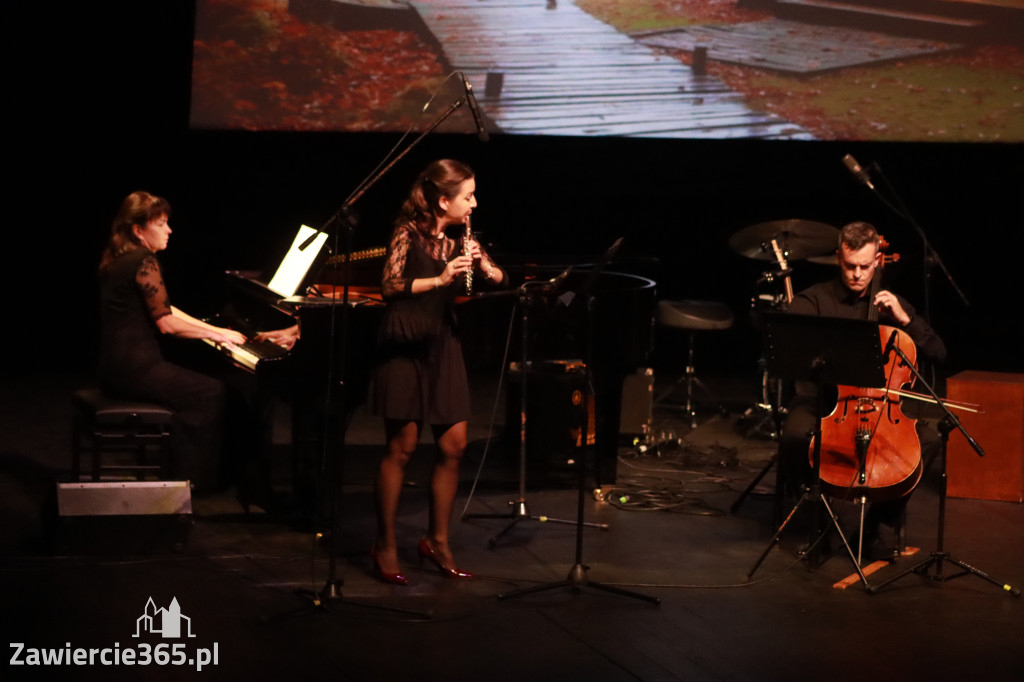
(335, 393)
(520, 511)
(939, 556)
(930, 256)
(577, 578)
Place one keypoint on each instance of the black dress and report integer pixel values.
(132, 366)
(420, 374)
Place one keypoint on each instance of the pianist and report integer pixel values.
(134, 311)
(420, 380)
(285, 338)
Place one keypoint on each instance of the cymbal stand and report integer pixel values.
(770, 409)
(940, 556)
(519, 511)
(776, 416)
(764, 415)
(577, 578)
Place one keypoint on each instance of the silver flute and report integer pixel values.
(465, 252)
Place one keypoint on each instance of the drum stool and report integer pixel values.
(693, 316)
(117, 426)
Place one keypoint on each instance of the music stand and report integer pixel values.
(519, 511)
(553, 290)
(577, 578)
(825, 351)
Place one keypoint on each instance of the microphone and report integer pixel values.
(857, 171)
(891, 345)
(481, 132)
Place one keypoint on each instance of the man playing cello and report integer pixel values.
(854, 295)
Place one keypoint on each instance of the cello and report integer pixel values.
(869, 448)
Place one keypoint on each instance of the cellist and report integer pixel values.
(848, 296)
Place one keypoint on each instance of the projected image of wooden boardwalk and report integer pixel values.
(564, 72)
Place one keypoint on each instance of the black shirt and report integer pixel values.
(832, 299)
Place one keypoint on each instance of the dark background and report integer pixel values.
(101, 109)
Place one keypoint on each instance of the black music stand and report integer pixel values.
(825, 351)
(939, 556)
(577, 578)
(519, 511)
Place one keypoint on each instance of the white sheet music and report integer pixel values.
(297, 261)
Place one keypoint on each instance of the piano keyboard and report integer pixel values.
(250, 353)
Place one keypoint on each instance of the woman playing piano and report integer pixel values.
(420, 380)
(135, 309)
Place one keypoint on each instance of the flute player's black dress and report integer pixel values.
(420, 374)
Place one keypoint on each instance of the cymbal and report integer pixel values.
(828, 259)
(798, 239)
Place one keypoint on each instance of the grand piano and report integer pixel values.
(325, 376)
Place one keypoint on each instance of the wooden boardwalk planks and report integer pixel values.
(795, 47)
(566, 73)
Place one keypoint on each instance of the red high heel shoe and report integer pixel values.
(426, 551)
(393, 578)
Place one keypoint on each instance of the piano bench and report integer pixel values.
(692, 316)
(116, 426)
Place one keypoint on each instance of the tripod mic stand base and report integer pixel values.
(522, 513)
(328, 601)
(936, 560)
(331, 591)
(576, 581)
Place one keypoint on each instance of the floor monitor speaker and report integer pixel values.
(120, 517)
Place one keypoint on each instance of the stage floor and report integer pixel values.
(242, 581)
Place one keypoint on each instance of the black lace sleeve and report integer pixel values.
(151, 283)
(394, 281)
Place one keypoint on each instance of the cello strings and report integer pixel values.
(878, 418)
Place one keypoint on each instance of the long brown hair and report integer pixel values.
(138, 208)
(441, 178)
